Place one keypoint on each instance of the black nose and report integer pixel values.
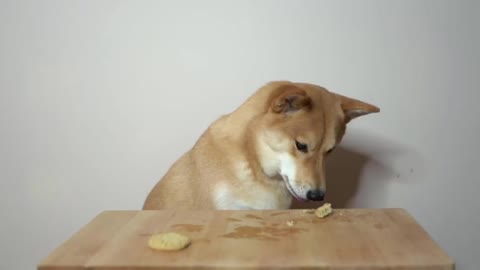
(315, 195)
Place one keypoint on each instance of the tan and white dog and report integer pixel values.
(269, 150)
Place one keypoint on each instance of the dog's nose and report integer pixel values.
(315, 195)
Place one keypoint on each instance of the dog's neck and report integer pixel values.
(241, 127)
(251, 152)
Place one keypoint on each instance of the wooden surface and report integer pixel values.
(348, 239)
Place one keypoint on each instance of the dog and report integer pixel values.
(268, 151)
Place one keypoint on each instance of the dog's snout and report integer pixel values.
(315, 195)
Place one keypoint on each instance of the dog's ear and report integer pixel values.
(354, 108)
(289, 98)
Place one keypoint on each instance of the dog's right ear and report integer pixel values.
(354, 108)
(289, 98)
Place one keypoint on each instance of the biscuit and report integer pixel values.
(168, 241)
(324, 210)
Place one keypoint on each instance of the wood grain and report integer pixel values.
(348, 239)
(76, 251)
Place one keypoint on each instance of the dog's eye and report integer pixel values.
(331, 150)
(301, 147)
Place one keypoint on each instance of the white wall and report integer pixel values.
(97, 99)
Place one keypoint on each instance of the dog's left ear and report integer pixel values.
(289, 98)
(354, 108)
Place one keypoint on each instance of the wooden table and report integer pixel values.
(348, 239)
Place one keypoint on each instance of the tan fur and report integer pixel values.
(243, 160)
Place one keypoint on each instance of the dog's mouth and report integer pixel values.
(290, 189)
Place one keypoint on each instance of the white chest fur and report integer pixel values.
(229, 197)
(246, 192)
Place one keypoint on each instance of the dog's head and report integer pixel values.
(301, 126)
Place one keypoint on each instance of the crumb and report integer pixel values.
(309, 211)
(324, 210)
(290, 223)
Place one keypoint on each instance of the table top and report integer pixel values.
(273, 239)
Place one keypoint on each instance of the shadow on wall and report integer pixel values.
(364, 165)
(344, 170)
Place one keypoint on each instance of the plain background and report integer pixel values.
(98, 99)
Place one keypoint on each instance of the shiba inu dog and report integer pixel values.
(268, 151)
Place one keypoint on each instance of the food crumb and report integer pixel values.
(290, 223)
(324, 210)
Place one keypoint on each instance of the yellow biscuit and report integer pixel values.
(168, 241)
(324, 210)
